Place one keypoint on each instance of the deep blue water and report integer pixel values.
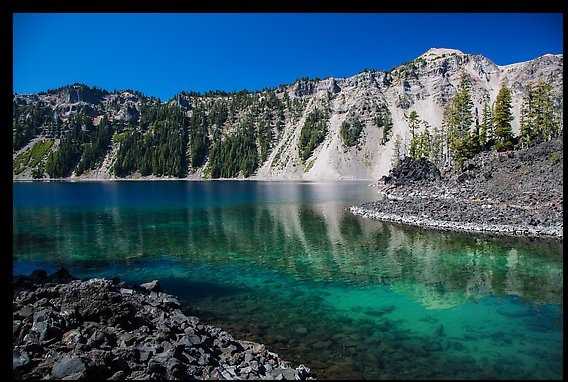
(283, 263)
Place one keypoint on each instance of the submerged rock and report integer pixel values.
(152, 286)
(105, 329)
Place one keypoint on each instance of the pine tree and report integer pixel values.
(527, 119)
(447, 128)
(486, 127)
(458, 119)
(539, 120)
(413, 123)
(425, 142)
(463, 106)
(396, 151)
(313, 132)
(545, 118)
(502, 118)
(436, 154)
(384, 120)
(350, 132)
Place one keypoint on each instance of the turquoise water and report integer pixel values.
(284, 264)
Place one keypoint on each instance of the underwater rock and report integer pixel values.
(152, 286)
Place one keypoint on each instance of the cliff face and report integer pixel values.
(425, 85)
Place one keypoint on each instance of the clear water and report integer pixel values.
(286, 265)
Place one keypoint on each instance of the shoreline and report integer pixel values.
(81, 180)
(547, 233)
(518, 194)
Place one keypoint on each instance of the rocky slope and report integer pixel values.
(518, 193)
(425, 85)
(105, 329)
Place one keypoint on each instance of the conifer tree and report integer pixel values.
(538, 116)
(396, 151)
(502, 118)
(384, 120)
(425, 142)
(436, 154)
(447, 128)
(463, 106)
(458, 119)
(545, 115)
(486, 126)
(413, 123)
(527, 119)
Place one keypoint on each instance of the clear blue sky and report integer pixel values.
(162, 54)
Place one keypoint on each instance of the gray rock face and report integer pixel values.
(91, 329)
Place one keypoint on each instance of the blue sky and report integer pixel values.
(162, 54)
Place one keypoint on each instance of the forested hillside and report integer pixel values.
(445, 106)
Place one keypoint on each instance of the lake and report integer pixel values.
(283, 263)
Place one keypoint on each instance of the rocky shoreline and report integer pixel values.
(513, 194)
(444, 225)
(64, 328)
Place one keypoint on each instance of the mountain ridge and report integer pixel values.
(115, 91)
(424, 85)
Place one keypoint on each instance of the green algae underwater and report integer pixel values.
(284, 264)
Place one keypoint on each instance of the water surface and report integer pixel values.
(284, 264)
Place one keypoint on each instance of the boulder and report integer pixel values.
(152, 286)
(19, 359)
(69, 366)
(411, 170)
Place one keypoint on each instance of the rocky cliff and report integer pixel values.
(274, 117)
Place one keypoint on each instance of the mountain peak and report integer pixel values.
(432, 52)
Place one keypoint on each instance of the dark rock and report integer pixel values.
(25, 312)
(39, 275)
(20, 359)
(61, 276)
(101, 329)
(72, 337)
(283, 373)
(303, 372)
(118, 376)
(462, 177)
(410, 170)
(127, 339)
(68, 366)
(31, 337)
(191, 340)
(48, 324)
